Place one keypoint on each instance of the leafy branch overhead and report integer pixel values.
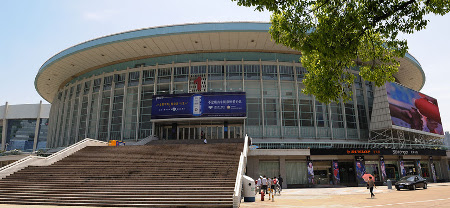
(336, 36)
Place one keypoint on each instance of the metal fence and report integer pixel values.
(328, 145)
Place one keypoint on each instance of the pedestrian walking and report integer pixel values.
(371, 185)
(258, 184)
(280, 181)
(264, 184)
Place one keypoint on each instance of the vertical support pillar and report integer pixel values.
(279, 100)
(283, 170)
(344, 118)
(331, 121)
(124, 101)
(5, 127)
(88, 110)
(139, 92)
(99, 104)
(111, 103)
(297, 101)
(36, 129)
(262, 99)
(355, 107)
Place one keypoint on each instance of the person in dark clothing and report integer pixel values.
(371, 184)
(280, 181)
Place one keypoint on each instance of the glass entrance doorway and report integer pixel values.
(212, 130)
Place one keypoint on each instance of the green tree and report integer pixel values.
(337, 35)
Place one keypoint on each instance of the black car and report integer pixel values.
(411, 182)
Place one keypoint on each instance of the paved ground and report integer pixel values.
(437, 195)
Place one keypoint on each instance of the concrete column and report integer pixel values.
(138, 109)
(280, 109)
(444, 169)
(283, 170)
(36, 129)
(297, 100)
(262, 99)
(5, 127)
(253, 167)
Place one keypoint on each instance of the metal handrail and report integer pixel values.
(240, 172)
(45, 161)
(328, 145)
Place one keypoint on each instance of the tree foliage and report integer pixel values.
(335, 36)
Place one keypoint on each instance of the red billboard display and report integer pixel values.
(414, 110)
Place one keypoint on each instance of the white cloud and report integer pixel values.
(99, 16)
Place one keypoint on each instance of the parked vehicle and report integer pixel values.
(411, 182)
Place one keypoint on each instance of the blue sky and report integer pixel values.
(34, 31)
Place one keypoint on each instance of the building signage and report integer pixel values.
(413, 110)
(377, 152)
(195, 105)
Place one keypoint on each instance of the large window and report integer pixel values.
(306, 113)
(215, 72)
(234, 72)
(286, 73)
(180, 74)
(130, 119)
(254, 116)
(270, 111)
(20, 134)
(145, 126)
(251, 72)
(269, 72)
(336, 115)
(289, 109)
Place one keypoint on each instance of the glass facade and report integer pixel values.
(117, 105)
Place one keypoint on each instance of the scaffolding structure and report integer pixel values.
(403, 139)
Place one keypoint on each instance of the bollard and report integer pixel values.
(389, 184)
(273, 197)
(262, 195)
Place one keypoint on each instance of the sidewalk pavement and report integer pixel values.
(288, 197)
(295, 197)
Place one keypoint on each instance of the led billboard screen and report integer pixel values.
(414, 110)
(217, 104)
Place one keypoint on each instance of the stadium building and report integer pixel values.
(24, 127)
(226, 80)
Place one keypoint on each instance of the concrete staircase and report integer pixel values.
(154, 175)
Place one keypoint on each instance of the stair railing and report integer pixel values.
(33, 160)
(240, 173)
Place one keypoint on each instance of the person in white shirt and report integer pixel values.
(264, 184)
(258, 185)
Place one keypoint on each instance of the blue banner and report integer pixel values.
(192, 105)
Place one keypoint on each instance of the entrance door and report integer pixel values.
(235, 132)
(347, 173)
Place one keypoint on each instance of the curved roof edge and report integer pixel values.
(415, 62)
(160, 31)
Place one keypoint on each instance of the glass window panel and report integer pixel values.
(164, 75)
(107, 82)
(20, 134)
(180, 74)
(133, 78)
(215, 72)
(251, 72)
(234, 86)
(254, 111)
(350, 115)
(269, 72)
(301, 71)
(216, 86)
(306, 113)
(336, 115)
(234, 72)
(270, 111)
(180, 87)
(119, 80)
(286, 73)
